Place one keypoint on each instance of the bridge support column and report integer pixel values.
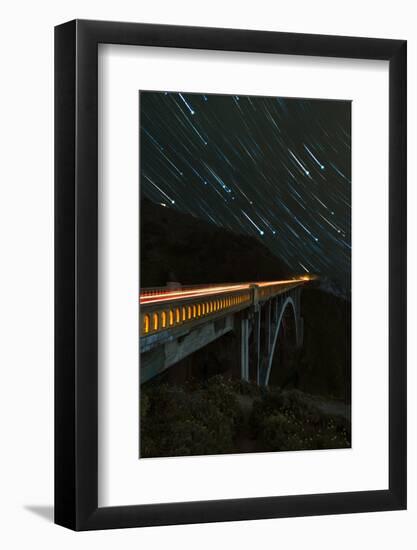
(257, 342)
(244, 349)
(268, 328)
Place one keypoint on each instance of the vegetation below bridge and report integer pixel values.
(227, 416)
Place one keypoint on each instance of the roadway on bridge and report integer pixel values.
(165, 295)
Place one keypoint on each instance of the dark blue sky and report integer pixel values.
(275, 168)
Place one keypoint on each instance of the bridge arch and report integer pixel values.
(287, 304)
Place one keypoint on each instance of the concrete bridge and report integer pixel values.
(177, 321)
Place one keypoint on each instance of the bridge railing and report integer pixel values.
(168, 314)
(158, 317)
(264, 292)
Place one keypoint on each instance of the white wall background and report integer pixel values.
(26, 273)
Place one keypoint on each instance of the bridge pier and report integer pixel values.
(244, 349)
(257, 341)
(268, 327)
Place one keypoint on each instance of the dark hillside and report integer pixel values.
(178, 247)
(325, 361)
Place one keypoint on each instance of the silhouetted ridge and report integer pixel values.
(178, 247)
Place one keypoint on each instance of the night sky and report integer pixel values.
(275, 168)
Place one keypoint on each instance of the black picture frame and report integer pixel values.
(76, 271)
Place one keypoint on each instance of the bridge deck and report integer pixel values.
(168, 309)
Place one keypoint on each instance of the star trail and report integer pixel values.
(275, 168)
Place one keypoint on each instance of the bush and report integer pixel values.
(289, 421)
(178, 421)
(205, 418)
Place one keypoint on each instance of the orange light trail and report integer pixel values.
(209, 291)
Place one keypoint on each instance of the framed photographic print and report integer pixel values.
(230, 275)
